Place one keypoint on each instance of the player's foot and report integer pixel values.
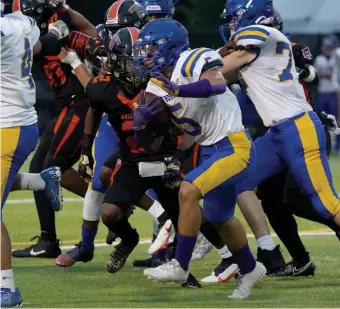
(77, 254)
(246, 282)
(191, 282)
(119, 256)
(296, 269)
(111, 237)
(202, 248)
(52, 177)
(162, 238)
(273, 261)
(10, 299)
(154, 261)
(168, 272)
(170, 251)
(223, 272)
(42, 249)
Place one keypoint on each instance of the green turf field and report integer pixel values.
(89, 285)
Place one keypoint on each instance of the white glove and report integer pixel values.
(334, 127)
(53, 4)
(59, 28)
(72, 59)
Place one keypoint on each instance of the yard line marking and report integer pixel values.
(31, 200)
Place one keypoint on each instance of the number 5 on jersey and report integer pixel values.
(26, 64)
(286, 74)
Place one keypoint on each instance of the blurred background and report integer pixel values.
(315, 23)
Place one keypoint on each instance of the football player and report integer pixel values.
(159, 8)
(60, 143)
(19, 129)
(296, 137)
(195, 92)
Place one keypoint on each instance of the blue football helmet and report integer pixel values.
(160, 43)
(329, 44)
(242, 13)
(161, 8)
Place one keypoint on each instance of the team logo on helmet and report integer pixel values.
(138, 9)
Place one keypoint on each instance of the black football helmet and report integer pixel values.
(121, 14)
(277, 22)
(120, 58)
(36, 9)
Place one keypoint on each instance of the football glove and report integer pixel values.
(331, 123)
(85, 167)
(59, 28)
(166, 84)
(172, 176)
(54, 5)
(70, 57)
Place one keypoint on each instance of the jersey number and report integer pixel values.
(191, 126)
(26, 64)
(286, 74)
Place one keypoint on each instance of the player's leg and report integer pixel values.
(268, 163)
(16, 145)
(303, 144)
(127, 188)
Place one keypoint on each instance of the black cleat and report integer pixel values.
(192, 282)
(273, 261)
(295, 269)
(110, 238)
(149, 263)
(42, 249)
(119, 256)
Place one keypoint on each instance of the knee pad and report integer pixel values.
(92, 205)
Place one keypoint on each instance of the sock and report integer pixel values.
(88, 235)
(244, 259)
(124, 231)
(266, 242)
(92, 205)
(7, 279)
(31, 181)
(185, 247)
(224, 252)
(156, 209)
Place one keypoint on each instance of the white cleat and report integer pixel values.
(162, 238)
(246, 282)
(202, 248)
(223, 277)
(168, 272)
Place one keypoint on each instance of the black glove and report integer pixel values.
(172, 177)
(85, 167)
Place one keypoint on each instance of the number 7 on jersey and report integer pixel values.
(286, 74)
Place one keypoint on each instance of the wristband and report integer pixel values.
(201, 89)
(75, 63)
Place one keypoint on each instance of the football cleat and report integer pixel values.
(246, 282)
(154, 261)
(42, 249)
(226, 270)
(53, 192)
(191, 282)
(10, 299)
(119, 256)
(202, 248)
(296, 269)
(162, 238)
(77, 254)
(273, 261)
(168, 272)
(110, 237)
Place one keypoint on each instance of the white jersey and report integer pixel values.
(336, 71)
(271, 80)
(19, 34)
(325, 66)
(211, 119)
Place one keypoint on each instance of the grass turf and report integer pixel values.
(89, 285)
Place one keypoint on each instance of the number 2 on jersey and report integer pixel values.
(26, 64)
(286, 74)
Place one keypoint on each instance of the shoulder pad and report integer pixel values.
(200, 60)
(252, 36)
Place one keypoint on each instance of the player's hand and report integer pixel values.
(85, 167)
(143, 114)
(70, 57)
(54, 5)
(59, 28)
(172, 176)
(227, 49)
(331, 122)
(166, 84)
(96, 48)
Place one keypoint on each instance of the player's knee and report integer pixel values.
(188, 191)
(111, 214)
(105, 175)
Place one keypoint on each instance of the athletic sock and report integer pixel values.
(31, 181)
(124, 231)
(244, 259)
(224, 252)
(88, 235)
(7, 279)
(185, 247)
(266, 242)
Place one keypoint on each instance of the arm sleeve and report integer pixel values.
(78, 41)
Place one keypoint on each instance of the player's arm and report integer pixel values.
(235, 61)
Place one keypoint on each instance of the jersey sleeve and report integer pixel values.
(35, 32)
(102, 93)
(302, 55)
(250, 37)
(156, 90)
(199, 61)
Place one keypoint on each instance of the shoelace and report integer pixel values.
(170, 265)
(239, 288)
